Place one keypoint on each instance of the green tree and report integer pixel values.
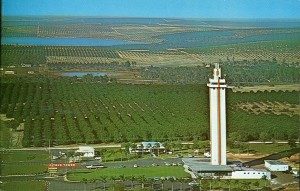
(263, 136)
(85, 181)
(292, 143)
(157, 147)
(132, 179)
(104, 181)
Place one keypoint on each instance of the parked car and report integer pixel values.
(193, 183)
(122, 166)
(94, 166)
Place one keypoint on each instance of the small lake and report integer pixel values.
(80, 74)
(61, 41)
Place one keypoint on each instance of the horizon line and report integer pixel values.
(141, 17)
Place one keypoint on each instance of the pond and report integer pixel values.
(80, 74)
(63, 41)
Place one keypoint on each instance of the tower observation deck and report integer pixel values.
(217, 88)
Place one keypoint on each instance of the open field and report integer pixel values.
(36, 55)
(158, 41)
(177, 66)
(24, 156)
(287, 87)
(160, 59)
(276, 108)
(148, 172)
(126, 29)
(23, 169)
(284, 51)
(268, 148)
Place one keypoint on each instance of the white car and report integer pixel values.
(94, 166)
(135, 165)
(193, 183)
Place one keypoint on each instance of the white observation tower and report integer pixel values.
(217, 104)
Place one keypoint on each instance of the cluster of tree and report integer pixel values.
(35, 55)
(22, 55)
(106, 65)
(65, 111)
(236, 73)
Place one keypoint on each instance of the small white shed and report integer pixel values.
(86, 151)
(276, 165)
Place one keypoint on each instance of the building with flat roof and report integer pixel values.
(276, 165)
(203, 167)
(249, 173)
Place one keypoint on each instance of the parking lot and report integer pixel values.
(145, 162)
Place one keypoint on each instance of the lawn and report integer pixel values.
(22, 168)
(148, 172)
(23, 186)
(28, 156)
(23, 162)
(268, 148)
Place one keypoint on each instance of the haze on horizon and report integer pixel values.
(226, 9)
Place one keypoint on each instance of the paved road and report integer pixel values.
(144, 162)
(67, 147)
(71, 147)
(282, 178)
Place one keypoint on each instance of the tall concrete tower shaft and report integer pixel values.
(217, 88)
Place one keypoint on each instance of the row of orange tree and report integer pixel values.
(65, 111)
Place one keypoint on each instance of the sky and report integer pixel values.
(155, 8)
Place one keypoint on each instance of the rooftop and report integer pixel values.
(152, 144)
(248, 169)
(275, 162)
(85, 149)
(204, 165)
